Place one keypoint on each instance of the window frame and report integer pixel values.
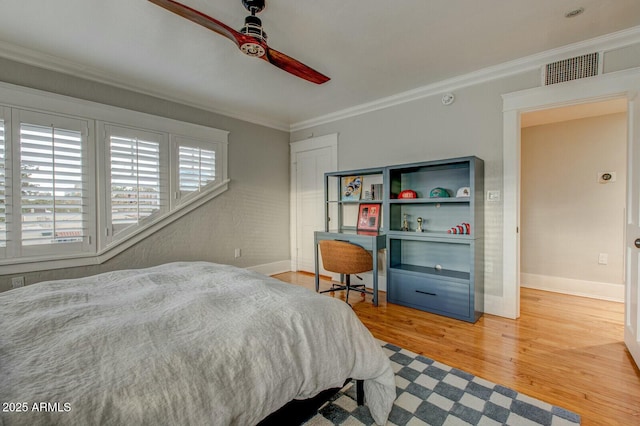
(88, 245)
(5, 116)
(112, 234)
(220, 167)
(97, 116)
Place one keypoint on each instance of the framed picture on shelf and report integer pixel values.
(351, 188)
(369, 217)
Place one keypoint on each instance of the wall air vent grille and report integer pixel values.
(571, 69)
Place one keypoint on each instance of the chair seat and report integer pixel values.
(345, 258)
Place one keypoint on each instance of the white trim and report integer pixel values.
(272, 268)
(511, 221)
(46, 61)
(97, 115)
(607, 86)
(591, 289)
(604, 43)
(52, 103)
(326, 141)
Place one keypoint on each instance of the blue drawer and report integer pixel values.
(430, 293)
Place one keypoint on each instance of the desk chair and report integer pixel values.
(345, 258)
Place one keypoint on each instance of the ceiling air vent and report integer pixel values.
(571, 69)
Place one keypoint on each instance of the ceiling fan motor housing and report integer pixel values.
(253, 27)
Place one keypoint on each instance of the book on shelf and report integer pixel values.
(376, 191)
(351, 188)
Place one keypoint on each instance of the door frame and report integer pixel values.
(608, 86)
(311, 144)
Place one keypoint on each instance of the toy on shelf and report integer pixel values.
(463, 228)
(408, 193)
(405, 223)
(439, 193)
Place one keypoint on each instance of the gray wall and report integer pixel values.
(252, 215)
(425, 130)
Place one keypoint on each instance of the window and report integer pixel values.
(85, 167)
(51, 186)
(138, 181)
(197, 166)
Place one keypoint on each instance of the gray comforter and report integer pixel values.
(180, 344)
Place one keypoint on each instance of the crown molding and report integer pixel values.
(604, 43)
(53, 63)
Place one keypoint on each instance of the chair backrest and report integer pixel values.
(345, 258)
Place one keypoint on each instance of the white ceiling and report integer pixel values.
(371, 49)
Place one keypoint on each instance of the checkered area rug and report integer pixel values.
(431, 393)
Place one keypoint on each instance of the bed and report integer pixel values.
(182, 343)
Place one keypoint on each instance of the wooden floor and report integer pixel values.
(565, 350)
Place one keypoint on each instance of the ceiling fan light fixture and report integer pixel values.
(253, 49)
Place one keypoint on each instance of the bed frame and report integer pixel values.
(297, 411)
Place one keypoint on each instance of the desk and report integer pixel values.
(372, 242)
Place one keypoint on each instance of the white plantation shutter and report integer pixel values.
(51, 187)
(138, 189)
(200, 166)
(47, 202)
(197, 168)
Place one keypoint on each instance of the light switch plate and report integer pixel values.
(493, 195)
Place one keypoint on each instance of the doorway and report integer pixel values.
(607, 86)
(572, 216)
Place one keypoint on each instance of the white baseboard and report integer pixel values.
(592, 289)
(272, 268)
(495, 305)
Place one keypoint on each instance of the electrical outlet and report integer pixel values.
(237, 253)
(17, 282)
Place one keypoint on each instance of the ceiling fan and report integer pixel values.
(251, 39)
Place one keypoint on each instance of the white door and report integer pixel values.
(632, 297)
(310, 160)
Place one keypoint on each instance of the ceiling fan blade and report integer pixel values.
(294, 67)
(247, 43)
(201, 19)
